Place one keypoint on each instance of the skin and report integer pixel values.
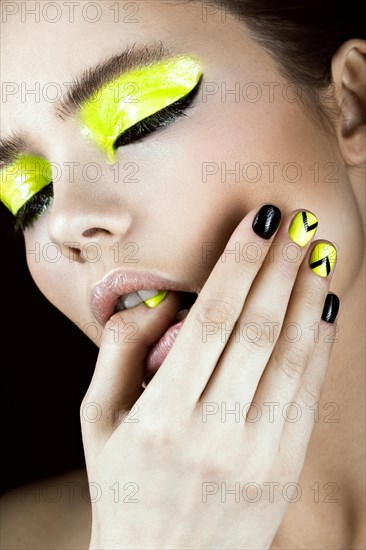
(186, 212)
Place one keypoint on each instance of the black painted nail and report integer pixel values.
(331, 307)
(266, 221)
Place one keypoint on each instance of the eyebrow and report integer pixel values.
(11, 147)
(84, 86)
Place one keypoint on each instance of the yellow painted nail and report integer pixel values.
(323, 258)
(156, 300)
(303, 228)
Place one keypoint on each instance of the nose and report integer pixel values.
(77, 227)
(88, 206)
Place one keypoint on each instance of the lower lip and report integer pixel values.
(160, 350)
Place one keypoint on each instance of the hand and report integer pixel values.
(159, 475)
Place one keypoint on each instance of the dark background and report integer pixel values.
(46, 366)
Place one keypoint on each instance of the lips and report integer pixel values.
(105, 295)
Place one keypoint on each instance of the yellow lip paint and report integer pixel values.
(22, 179)
(134, 96)
(156, 300)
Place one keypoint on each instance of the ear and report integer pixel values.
(349, 79)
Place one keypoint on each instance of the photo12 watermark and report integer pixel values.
(74, 492)
(268, 491)
(75, 251)
(68, 12)
(268, 172)
(269, 411)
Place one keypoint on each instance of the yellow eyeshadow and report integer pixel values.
(134, 96)
(21, 180)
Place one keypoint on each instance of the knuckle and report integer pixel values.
(327, 338)
(213, 469)
(313, 295)
(155, 437)
(213, 465)
(257, 331)
(293, 363)
(310, 392)
(251, 260)
(223, 310)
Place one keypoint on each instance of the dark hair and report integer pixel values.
(301, 35)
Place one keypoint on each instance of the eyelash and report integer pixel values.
(160, 119)
(34, 208)
(38, 204)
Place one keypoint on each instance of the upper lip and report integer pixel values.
(105, 294)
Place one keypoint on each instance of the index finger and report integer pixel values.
(184, 374)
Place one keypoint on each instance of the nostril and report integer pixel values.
(74, 254)
(93, 231)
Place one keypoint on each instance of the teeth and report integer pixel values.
(127, 301)
(131, 300)
(182, 314)
(147, 294)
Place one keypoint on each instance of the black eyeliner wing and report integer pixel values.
(157, 120)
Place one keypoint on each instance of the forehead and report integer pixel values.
(43, 50)
(52, 45)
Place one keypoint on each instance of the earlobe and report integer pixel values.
(349, 78)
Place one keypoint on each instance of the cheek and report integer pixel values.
(254, 153)
(52, 273)
(59, 282)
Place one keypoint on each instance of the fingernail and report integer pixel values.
(331, 307)
(156, 300)
(323, 258)
(267, 221)
(303, 228)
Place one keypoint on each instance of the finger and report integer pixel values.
(299, 426)
(290, 360)
(184, 374)
(118, 375)
(250, 346)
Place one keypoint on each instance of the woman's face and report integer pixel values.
(172, 200)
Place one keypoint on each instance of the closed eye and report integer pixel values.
(34, 208)
(161, 119)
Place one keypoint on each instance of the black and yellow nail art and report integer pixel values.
(323, 258)
(303, 228)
